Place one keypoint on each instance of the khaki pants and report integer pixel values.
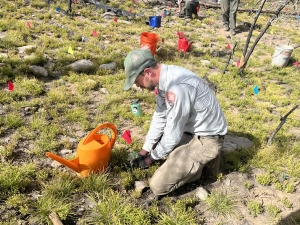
(185, 163)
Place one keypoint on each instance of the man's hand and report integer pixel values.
(142, 161)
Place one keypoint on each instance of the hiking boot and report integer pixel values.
(232, 32)
(226, 27)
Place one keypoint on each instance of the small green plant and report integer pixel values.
(126, 179)
(19, 201)
(273, 210)
(264, 179)
(288, 204)
(181, 212)
(248, 185)
(221, 204)
(19, 178)
(13, 120)
(111, 208)
(254, 208)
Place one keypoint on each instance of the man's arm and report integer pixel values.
(179, 99)
(158, 123)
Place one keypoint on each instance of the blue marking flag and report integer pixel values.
(255, 89)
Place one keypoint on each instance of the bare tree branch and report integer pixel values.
(283, 120)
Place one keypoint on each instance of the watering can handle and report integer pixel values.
(180, 35)
(100, 127)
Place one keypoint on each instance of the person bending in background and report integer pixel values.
(229, 10)
(191, 7)
(188, 125)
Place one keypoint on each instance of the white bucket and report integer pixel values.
(281, 55)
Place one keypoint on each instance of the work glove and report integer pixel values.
(142, 161)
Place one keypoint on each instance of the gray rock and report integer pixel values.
(2, 35)
(205, 62)
(103, 90)
(233, 142)
(124, 21)
(201, 193)
(66, 151)
(90, 203)
(108, 15)
(55, 164)
(3, 55)
(82, 65)
(24, 48)
(108, 66)
(39, 71)
(140, 185)
(136, 88)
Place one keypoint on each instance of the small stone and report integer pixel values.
(90, 203)
(205, 62)
(140, 185)
(232, 142)
(39, 71)
(227, 182)
(66, 151)
(24, 48)
(108, 66)
(136, 88)
(104, 90)
(55, 164)
(82, 65)
(201, 193)
(3, 55)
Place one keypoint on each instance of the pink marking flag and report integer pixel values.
(127, 136)
(296, 63)
(228, 46)
(10, 86)
(28, 24)
(95, 33)
(238, 63)
(130, 10)
(115, 19)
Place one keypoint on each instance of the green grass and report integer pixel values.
(221, 204)
(52, 114)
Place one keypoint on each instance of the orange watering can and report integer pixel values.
(183, 43)
(93, 152)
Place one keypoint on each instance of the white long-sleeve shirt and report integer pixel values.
(184, 103)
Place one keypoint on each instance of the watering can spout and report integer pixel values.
(73, 164)
(188, 46)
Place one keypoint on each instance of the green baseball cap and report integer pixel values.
(135, 62)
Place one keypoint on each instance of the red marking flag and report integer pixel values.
(10, 86)
(127, 136)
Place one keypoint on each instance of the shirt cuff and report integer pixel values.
(147, 147)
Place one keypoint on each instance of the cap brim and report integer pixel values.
(129, 82)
